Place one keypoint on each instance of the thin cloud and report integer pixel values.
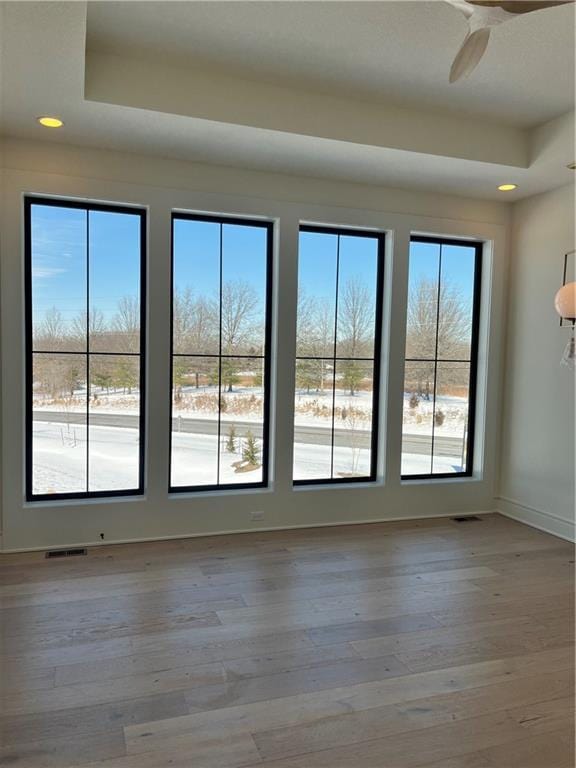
(45, 272)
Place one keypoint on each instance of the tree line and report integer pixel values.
(59, 376)
(204, 327)
(233, 325)
(439, 325)
(353, 324)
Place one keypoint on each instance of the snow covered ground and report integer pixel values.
(59, 455)
(60, 449)
(245, 403)
(59, 458)
(420, 464)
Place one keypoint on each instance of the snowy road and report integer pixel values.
(307, 434)
(59, 458)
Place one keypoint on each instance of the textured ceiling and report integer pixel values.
(348, 97)
(386, 50)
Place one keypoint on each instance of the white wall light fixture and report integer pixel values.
(565, 305)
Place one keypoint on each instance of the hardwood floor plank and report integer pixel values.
(99, 718)
(407, 750)
(293, 710)
(544, 716)
(57, 638)
(96, 650)
(552, 750)
(341, 588)
(79, 591)
(160, 658)
(259, 666)
(412, 642)
(293, 682)
(153, 609)
(472, 760)
(440, 657)
(134, 686)
(226, 637)
(212, 751)
(394, 645)
(20, 677)
(358, 630)
(365, 725)
(60, 753)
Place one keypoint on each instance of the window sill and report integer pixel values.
(218, 493)
(83, 502)
(367, 484)
(441, 480)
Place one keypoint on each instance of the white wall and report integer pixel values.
(162, 185)
(537, 456)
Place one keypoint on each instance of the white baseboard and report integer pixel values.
(399, 519)
(537, 518)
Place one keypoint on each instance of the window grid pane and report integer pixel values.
(84, 341)
(440, 363)
(220, 401)
(338, 349)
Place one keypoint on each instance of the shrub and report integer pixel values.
(231, 441)
(414, 401)
(439, 418)
(251, 453)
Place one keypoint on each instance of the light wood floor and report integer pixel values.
(426, 643)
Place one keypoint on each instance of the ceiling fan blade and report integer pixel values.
(520, 6)
(470, 53)
(463, 6)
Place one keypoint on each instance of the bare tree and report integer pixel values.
(451, 318)
(195, 329)
(315, 340)
(182, 314)
(354, 436)
(355, 320)
(59, 376)
(51, 333)
(93, 321)
(203, 331)
(126, 325)
(240, 326)
(323, 337)
(306, 327)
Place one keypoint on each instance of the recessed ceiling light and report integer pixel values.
(507, 187)
(50, 122)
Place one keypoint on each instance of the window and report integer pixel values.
(340, 278)
(221, 326)
(85, 313)
(441, 353)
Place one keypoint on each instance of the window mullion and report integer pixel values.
(87, 351)
(334, 356)
(219, 428)
(438, 294)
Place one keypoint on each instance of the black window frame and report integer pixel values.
(269, 227)
(380, 237)
(478, 247)
(29, 201)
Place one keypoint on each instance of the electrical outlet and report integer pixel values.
(257, 516)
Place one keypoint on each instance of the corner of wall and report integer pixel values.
(536, 483)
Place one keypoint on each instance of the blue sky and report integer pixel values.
(59, 260)
(318, 258)
(457, 265)
(358, 258)
(197, 256)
